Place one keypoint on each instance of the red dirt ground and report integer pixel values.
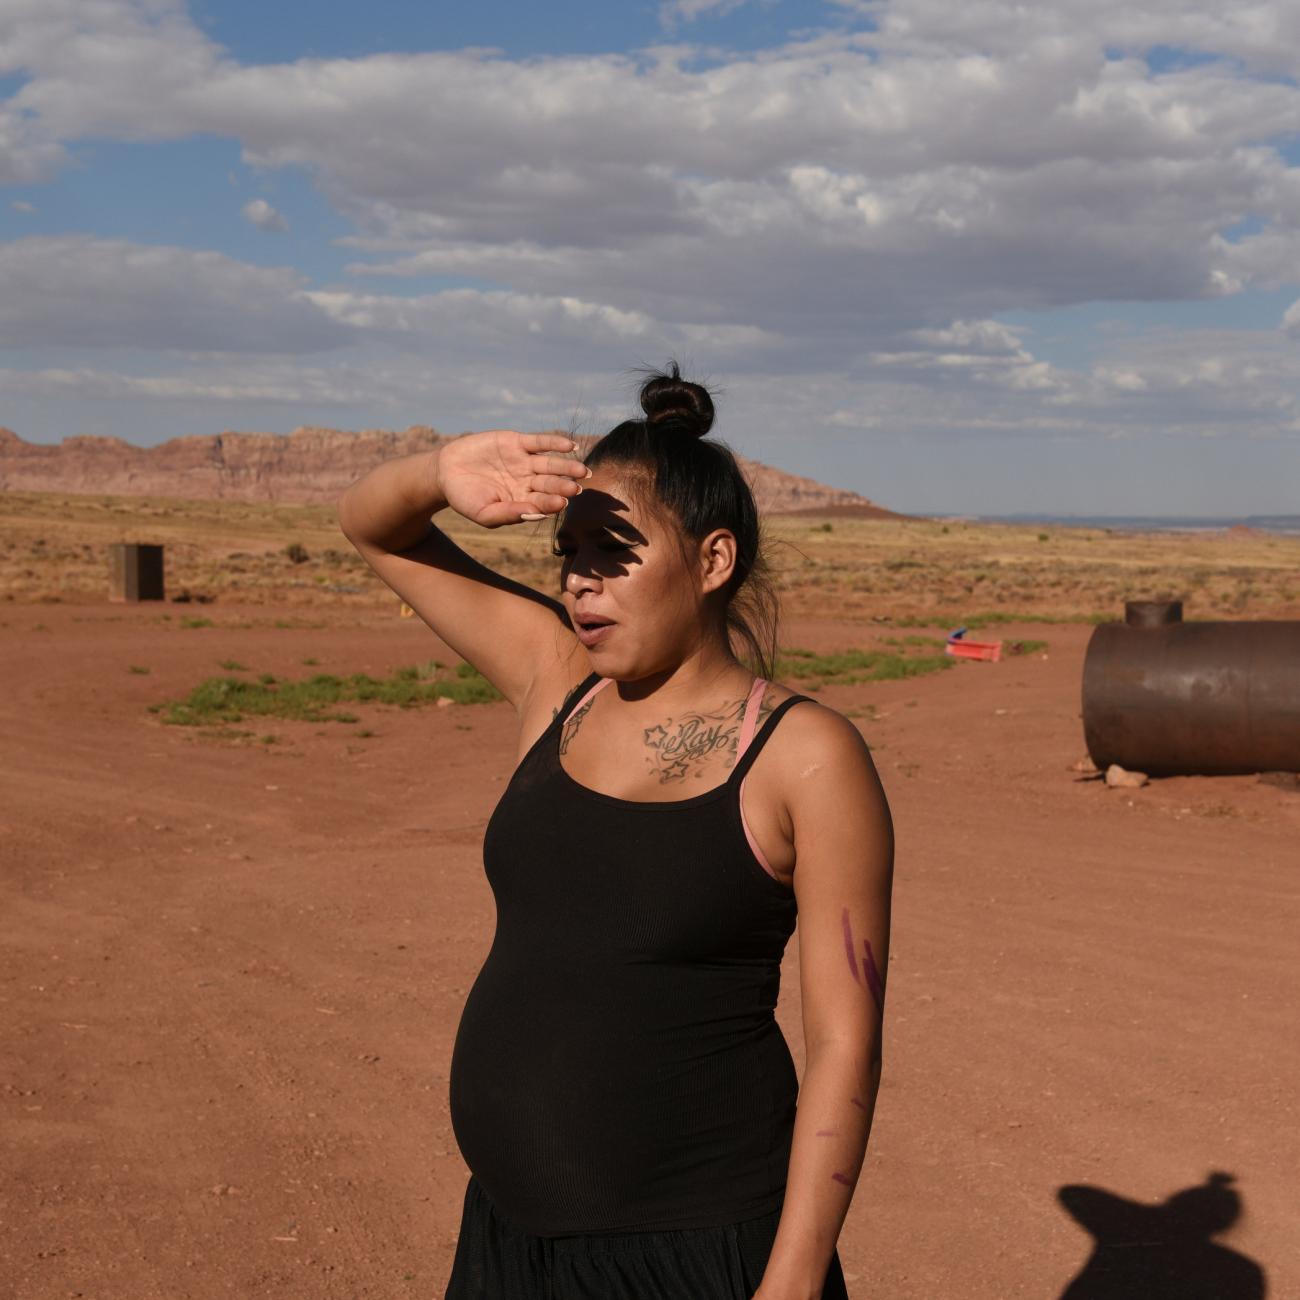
(230, 976)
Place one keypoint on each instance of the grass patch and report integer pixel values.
(233, 735)
(138, 669)
(1025, 647)
(850, 666)
(913, 641)
(232, 699)
(196, 622)
(868, 711)
(233, 666)
(995, 616)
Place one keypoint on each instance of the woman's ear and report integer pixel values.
(717, 558)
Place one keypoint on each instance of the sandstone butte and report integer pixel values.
(310, 466)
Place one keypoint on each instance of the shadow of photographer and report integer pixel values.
(1165, 1251)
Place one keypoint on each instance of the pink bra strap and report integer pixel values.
(604, 681)
(750, 722)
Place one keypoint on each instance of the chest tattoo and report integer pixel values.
(690, 745)
(684, 746)
(571, 726)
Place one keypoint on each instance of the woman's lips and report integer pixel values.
(594, 635)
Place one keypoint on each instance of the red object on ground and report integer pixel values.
(963, 649)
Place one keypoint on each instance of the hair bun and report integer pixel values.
(668, 400)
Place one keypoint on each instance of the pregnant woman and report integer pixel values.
(620, 1089)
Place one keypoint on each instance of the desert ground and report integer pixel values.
(234, 950)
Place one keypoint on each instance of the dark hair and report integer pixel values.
(697, 485)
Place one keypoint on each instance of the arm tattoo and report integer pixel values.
(870, 971)
(874, 981)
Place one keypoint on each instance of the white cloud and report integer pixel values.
(1201, 380)
(988, 337)
(981, 352)
(104, 62)
(25, 154)
(392, 392)
(1260, 32)
(842, 218)
(470, 310)
(261, 214)
(932, 195)
(1128, 381)
(673, 12)
(936, 170)
(283, 387)
(75, 291)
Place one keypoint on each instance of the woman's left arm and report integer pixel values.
(844, 856)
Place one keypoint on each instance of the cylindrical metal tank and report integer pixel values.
(1178, 699)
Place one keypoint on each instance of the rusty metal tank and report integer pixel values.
(1177, 699)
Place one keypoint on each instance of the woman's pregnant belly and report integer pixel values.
(587, 1100)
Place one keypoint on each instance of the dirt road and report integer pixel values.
(230, 976)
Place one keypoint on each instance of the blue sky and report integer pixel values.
(959, 260)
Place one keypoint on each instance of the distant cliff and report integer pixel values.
(308, 465)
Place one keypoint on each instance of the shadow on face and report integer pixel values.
(622, 562)
(598, 536)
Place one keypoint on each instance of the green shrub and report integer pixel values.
(231, 699)
(849, 666)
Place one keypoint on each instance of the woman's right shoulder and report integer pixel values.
(551, 690)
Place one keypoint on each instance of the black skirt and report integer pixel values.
(497, 1261)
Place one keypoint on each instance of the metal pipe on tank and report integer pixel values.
(1202, 698)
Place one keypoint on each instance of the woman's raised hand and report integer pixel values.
(501, 477)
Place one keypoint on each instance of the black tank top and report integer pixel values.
(618, 1066)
